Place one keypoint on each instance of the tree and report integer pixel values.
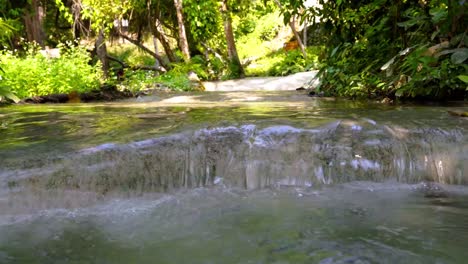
(101, 51)
(235, 65)
(290, 12)
(145, 16)
(182, 35)
(154, 11)
(34, 22)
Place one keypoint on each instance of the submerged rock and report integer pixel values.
(432, 190)
(314, 93)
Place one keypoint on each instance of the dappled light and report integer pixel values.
(233, 131)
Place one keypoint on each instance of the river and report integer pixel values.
(233, 177)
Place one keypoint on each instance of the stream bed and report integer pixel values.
(233, 177)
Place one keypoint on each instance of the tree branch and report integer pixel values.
(123, 64)
(147, 50)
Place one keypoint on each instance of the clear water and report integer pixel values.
(264, 177)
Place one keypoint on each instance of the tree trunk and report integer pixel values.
(101, 51)
(159, 34)
(33, 21)
(231, 44)
(304, 32)
(156, 51)
(77, 22)
(182, 35)
(292, 24)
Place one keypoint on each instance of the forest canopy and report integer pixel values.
(371, 48)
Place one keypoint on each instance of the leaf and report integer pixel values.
(464, 78)
(438, 14)
(434, 35)
(7, 94)
(13, 97)
(334, 51)
(460, 56)
(386, 65)
(459, 39)
(392, 60)
(409, 23)
(445, 52)
(399, 93)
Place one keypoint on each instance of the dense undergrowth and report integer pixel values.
(33, 74)
(282, 63)
(404, 50)
(176, 79)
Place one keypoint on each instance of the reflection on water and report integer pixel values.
(264, 177)
(51, 129)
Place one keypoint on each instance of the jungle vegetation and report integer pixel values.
(362, 49)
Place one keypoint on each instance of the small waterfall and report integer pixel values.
(255, 157)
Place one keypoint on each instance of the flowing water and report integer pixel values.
(233, 177)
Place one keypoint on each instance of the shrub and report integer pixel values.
(33, 74)
(177, 78)
(283, 63)
(138, 80)
(403, 50)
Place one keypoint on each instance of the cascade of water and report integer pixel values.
(252, 158)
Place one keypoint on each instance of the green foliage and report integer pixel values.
(290, 8)
(282, 63)
(388, 48)
(294, 62)
(34, 74)
(135, 81)
(204, 18)
(10, 20)
(7, 28)
(423, 75)
(130, 54)
(102, 13)
(464, 78)
(233, 71)
(6, 94)
(177, 78)
(260, 41)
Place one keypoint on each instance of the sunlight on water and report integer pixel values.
(356, 223)
(263, 177)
